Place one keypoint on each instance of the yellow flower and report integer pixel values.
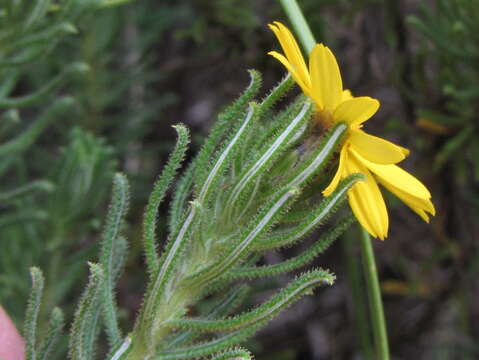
(361, 153)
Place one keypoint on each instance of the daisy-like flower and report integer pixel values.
(363, 153)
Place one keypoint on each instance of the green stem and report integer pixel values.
(301, 27)
(358, 293)
(374, 295)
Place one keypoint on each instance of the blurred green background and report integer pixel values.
(87, 90)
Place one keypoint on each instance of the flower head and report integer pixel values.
(361, 152)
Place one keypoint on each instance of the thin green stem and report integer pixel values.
(358, 293)
(374, 295)
(301, 27)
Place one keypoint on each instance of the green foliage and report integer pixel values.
(43, 206)
(239, 206)
(230, 212)
(244, 193)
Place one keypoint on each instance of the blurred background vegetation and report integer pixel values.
(88, 88)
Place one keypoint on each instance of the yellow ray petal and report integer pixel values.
(356, 110)
(403, 150)
(395, 176)
(366, 201)
(339, 173)
(375, 149)
(418, 205)
(405, 186)
(412, 201)
(327, 86)
(299, 80)
(422, 214)
(291, 50)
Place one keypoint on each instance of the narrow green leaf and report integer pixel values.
(34, 186)
(320, 246)
(85, 320)
(93, 331)
(42, 93)
(280, 121)
(221, 308)
(54, 330)
(9, 82)
(181, 193)
(40, 39)
(31, 316)
(22, 59)
(121, 350)
(23, 216)
(321, 156)
(38, 11)
(277, 93)
(159, 191)
(272, 152)
(209, 347)
(27, 138)
(224, 155)
(237, 353)
(308, 222)
(226, 120)
(109, 253)
(302, 285)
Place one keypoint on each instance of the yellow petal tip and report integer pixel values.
(433, 209)
(382, 237)
(375, 235)
(327, 192)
